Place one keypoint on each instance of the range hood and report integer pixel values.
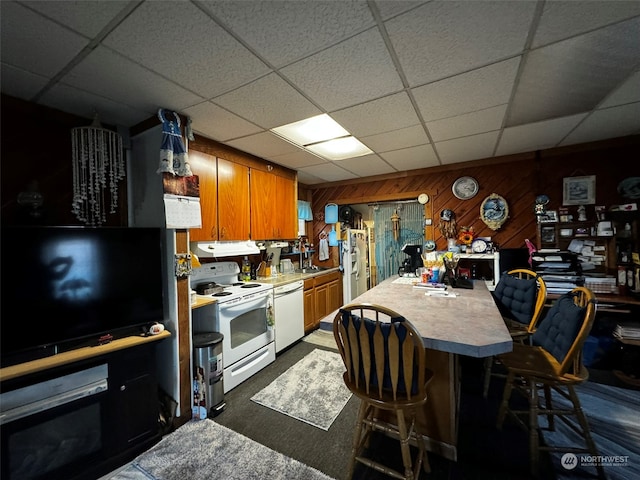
(224, 249)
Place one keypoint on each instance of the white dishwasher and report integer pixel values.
(289, 313)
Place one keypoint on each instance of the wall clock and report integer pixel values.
(465, 188)
(423, 198)
(494, 211)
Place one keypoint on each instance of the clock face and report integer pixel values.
(479, 246)
(423, 198)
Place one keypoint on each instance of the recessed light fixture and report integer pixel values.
(324, 137)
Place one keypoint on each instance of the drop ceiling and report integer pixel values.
(421, 84)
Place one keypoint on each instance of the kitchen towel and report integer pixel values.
(323, 253)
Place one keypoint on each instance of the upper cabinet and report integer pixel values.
(224, 198)
(273, 206)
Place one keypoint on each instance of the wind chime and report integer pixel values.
(395, 221)
(98, 164)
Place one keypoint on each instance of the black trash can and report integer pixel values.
(208, 386)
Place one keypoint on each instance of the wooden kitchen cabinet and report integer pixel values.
(322, 296)
(224, 198)
(273, 206)
(206, 167)
(310, 322)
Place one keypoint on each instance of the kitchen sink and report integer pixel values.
(311, 269)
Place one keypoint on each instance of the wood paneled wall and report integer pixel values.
(517, 178)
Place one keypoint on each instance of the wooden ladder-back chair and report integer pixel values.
(553, 361)
(384, 357)
(520, 296)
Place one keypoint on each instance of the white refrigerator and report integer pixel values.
(355, 280)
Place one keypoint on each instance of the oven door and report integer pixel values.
(243, 323)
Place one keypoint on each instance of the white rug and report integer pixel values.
(203, 449)
(311, 391)
(322, 338)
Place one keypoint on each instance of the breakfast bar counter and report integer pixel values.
(468, 323)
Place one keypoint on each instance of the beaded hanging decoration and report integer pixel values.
(98, 164)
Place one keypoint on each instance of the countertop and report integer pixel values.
(281, 279)
(469, 324)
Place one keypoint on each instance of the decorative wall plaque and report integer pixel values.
(494, 211)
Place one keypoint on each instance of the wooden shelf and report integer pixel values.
(75, 355)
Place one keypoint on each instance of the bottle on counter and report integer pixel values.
(246, 269)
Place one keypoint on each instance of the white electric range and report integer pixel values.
(243, 314)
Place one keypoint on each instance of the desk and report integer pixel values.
(469, 324)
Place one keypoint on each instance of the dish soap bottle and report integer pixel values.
(246, 269)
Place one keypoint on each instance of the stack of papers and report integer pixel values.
(440, 293)
(627, 331)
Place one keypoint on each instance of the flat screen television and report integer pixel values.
(68, 287)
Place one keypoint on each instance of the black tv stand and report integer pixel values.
(120, 410)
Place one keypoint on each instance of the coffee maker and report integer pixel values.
(413, 261)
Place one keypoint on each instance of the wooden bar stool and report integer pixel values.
(384, 357)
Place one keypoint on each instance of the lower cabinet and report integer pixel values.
(322, 295)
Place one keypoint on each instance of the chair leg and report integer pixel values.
(357, 437)
(584, 424)
(533, 427)
(506, 395)
(488, 367)
(404, 445)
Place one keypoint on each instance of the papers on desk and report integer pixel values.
(440, 293)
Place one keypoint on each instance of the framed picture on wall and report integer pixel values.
(579, 190)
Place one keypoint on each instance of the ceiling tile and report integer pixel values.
(340, 76)
(367, 165)
(628, 92)
(467, 148)
(298, 159)
(102, 70)
(378, 116)
(206, 59)
(213, 121)
(87, 18)
(482, 88)
(264, 144)
(396, 139)
(25, 31)
(283, 31)
(575, 75)
(391, 8)
(308, 179)
(86, 104)
(561, 20)
(268, 102)
(411, 158)
(19, 83)
(607, 123)
(536, 136)
(469, 124)
(441, 39)
(328, 172)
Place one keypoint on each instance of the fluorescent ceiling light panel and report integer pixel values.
(340, 148)
(324, 137)
(311, 130)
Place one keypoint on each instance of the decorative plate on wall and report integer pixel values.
(494, 211)
(465, 188)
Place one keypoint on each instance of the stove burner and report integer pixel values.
(250, 285)
(221, 294)
(237, 284)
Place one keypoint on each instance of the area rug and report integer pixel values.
(322, 338)
(615, 427)
(203, 449)
(311, 391)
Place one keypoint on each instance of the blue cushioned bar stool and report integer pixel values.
(520, 295)
(384, 357)
(553, 361)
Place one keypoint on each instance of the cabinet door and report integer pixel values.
(287, 208)
(264, 208)
(334, 295)
(322, 302)
(233, 201)
(309, 310)
(205, 167)
(134, 388)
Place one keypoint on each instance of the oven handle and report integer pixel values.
(245, 306)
